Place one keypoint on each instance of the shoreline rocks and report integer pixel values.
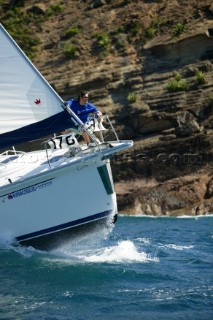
(176, 197)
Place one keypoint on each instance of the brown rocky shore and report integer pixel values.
(170, 184)
(148, 65)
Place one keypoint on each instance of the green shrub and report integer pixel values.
(134, 28)
(174, 85)
(71, 32)
(177, 84)
(17, 23)
(200, 77)
(69, 50)
(1, 6)
(102, 39)
(131, 97)
(178, 29)
(150, 32)
(178, 77)
(55, 9)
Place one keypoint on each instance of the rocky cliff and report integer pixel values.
(149, 65)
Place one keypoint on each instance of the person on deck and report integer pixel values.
(83, 108)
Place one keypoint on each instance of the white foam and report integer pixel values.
(6, 241)
(124, 251)
(209, 215)
(176, 247)
(143, 240)
(133, 215)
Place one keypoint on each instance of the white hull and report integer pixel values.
(46, 208)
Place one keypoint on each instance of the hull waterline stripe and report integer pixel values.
(64, 226)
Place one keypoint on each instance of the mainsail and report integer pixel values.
(29, 107)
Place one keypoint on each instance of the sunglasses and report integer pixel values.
(86, 97)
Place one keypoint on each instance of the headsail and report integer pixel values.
(29, 107)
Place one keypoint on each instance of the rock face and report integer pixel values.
(171, 176)
(151, 70)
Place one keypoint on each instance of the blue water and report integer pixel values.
(144, 268)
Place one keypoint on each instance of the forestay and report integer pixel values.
(29, 107)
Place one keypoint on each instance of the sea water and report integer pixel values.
(144, 268)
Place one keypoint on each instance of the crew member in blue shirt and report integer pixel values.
(83, 109)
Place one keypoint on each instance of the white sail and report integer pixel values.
(26, 97)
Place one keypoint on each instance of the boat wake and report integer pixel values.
(100, 247)
(124, 251)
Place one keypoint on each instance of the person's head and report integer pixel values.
(83, 97)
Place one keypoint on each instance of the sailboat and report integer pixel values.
(65, 189)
